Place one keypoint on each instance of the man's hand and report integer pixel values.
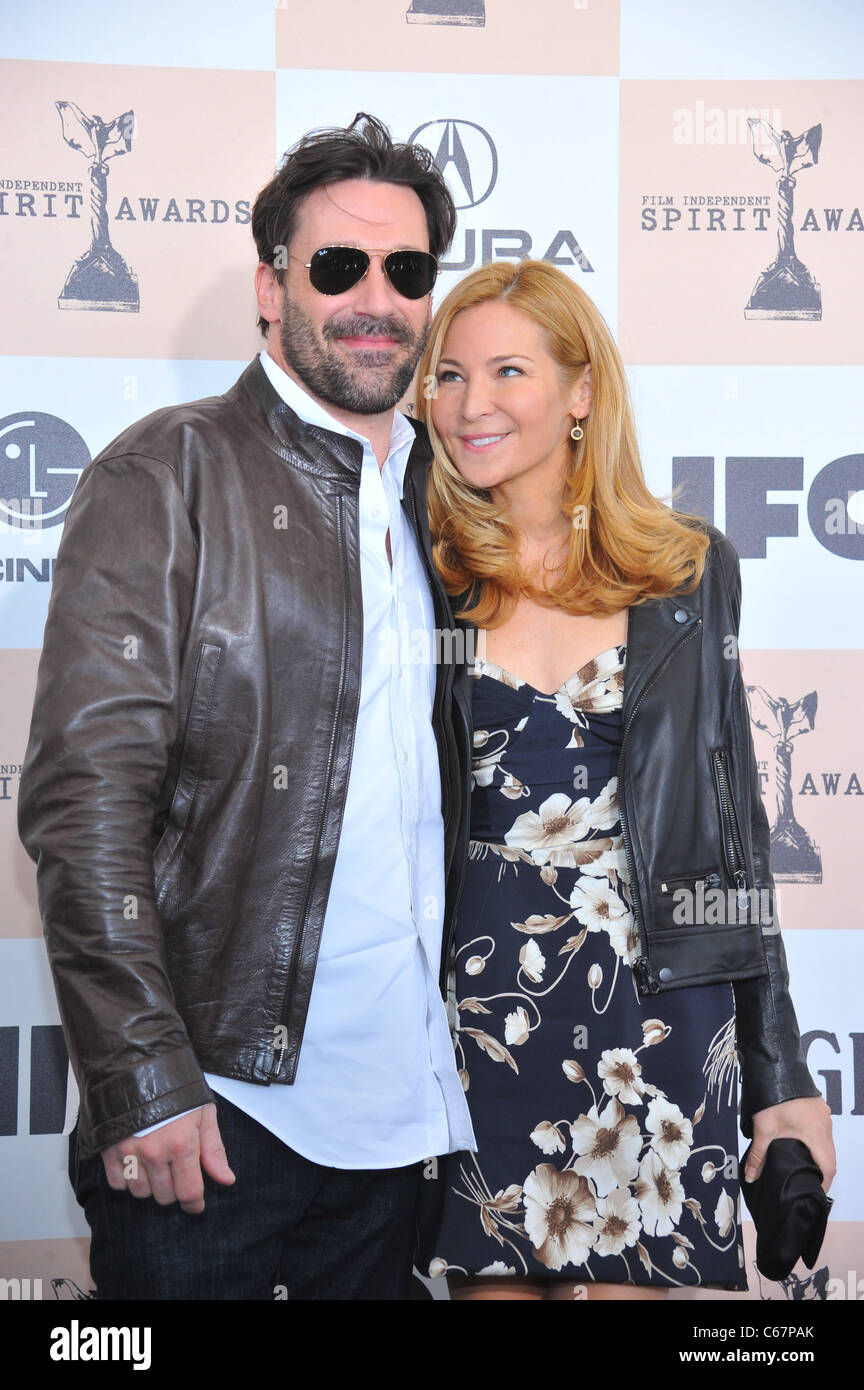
(167, 1165)
(807, 1119)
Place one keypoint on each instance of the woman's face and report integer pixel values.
(501, 408)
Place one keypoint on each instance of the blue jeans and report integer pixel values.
(287, 1228)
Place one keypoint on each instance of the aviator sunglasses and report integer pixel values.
(335, 269)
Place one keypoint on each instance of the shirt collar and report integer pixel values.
(401, 437)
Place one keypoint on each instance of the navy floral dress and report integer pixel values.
(606, 1124)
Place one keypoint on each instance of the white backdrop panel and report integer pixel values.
(779, 38)
(799, 594)
(165, 33)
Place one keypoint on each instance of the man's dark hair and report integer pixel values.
(364, 150)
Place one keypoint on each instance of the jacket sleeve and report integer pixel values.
(106, 717)
(769, 1043)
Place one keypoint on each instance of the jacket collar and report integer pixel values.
(655, 629)
(282, 429)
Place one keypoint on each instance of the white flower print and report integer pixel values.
(512, 787)
(595, 904)
(620, 1073)
(708, 1172)
(622, 938)
(653, 1031)
(548, 1137)
(559, 822)
(483, 772)
(533, 961)
(437, 1267)
(724, 1214)
(617, 1222)
(517, 1027)
(497, 1267)
(506, 677)
(558, 1210)
(672, 1133)
(603, 811)
(612, 856)
(599, 688)
(608, 1145)
(484, 765)
(582, 854)
(659, 1194)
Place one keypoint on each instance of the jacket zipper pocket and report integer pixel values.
(733, 852)
(192, 752)
(694, 882)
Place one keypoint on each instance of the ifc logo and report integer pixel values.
(41, 460)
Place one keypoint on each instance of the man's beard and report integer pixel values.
(372, 382)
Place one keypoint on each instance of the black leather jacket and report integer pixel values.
(692, 818)
(185, 780)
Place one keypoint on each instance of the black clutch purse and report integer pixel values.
(789, 1207)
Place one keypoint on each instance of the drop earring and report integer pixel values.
(577, 432)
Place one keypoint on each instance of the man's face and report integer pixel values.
(358, 350)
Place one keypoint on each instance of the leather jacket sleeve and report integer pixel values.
(769, 1043)
(107, 716)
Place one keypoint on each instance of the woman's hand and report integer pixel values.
(807, 1119)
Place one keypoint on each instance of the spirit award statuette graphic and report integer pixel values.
(786, 290)
(447, 12)
(794, 856)
(100, 279)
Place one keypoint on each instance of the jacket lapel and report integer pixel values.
(653, 632)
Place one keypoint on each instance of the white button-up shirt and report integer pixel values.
(376, 1083)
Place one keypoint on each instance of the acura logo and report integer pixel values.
(466, 155)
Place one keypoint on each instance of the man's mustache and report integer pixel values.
(361, 326)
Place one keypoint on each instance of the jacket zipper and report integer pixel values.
(732, 849)
(325, 800)
(695, 885)
(646, 981)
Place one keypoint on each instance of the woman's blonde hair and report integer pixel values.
(625, 545)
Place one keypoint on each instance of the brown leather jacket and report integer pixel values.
(185, 780)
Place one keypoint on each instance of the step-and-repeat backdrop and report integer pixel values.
(695, 167)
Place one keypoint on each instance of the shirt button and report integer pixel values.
(665, 974)
(681, 615)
